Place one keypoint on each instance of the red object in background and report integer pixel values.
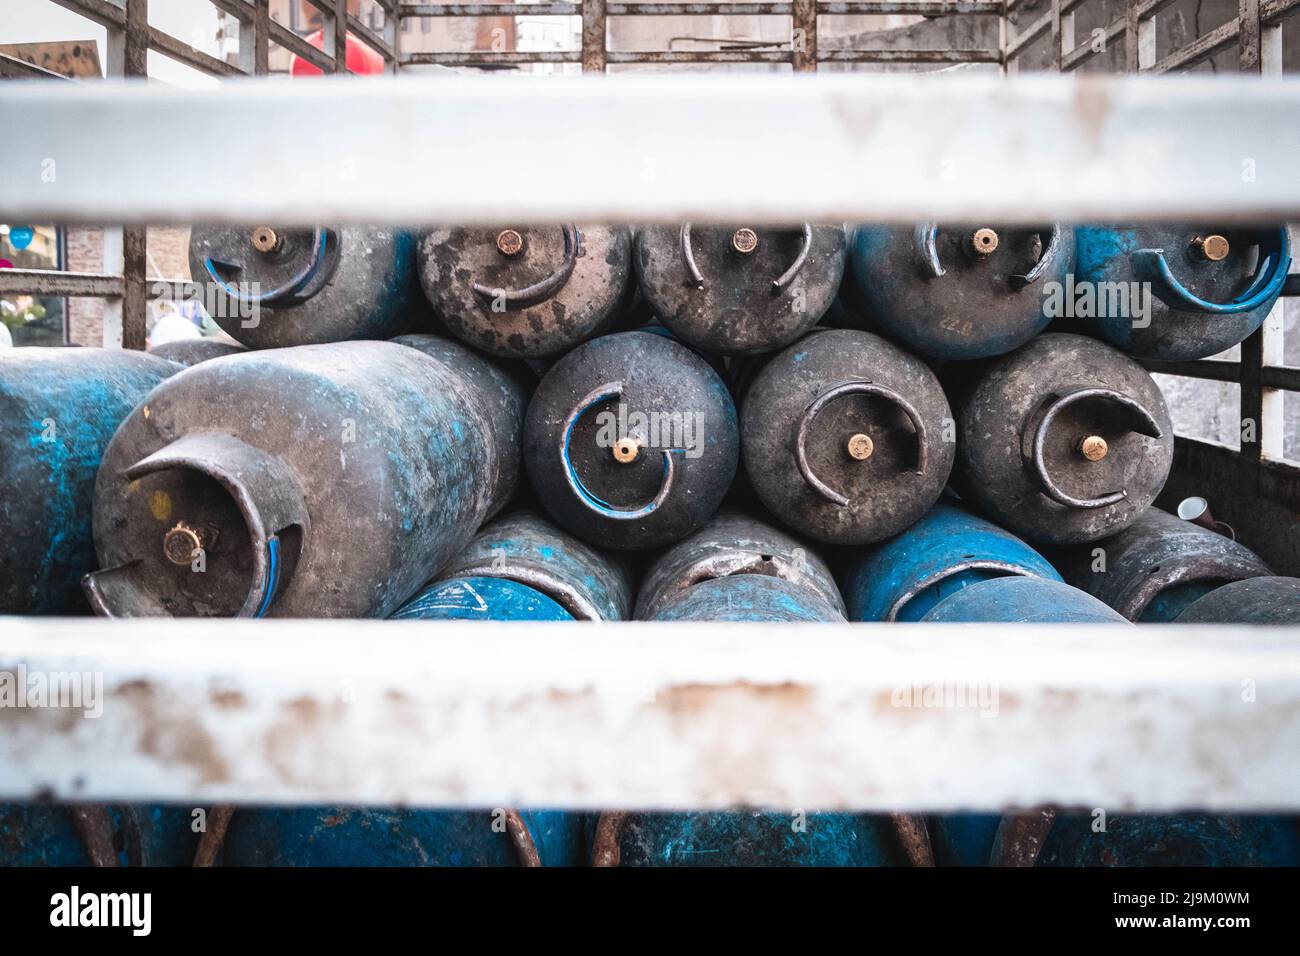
(6, 264)
(360, 58)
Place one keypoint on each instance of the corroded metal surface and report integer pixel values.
(538, 296)
(739, 291)
(285, 470)
(1262, 600)
(189, 352)
(337, 284)
(1153, 568)
(526, 548)
(958, 292)
(734, 543)
(58, 410)
(1205, 292)
(1022, 600)
(1020, 424)
(751, 598)
(650, 387)
(801, 409)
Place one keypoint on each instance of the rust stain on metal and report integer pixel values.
(179, 740)
(218, 821)
(1020, 837)
(914, 837)
(604, 846)
(700, 698)
(95, 829)
(228, 699)
(1092, 107)
(522, 839)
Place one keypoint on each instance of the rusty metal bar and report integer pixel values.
(261, 38)
(491, 58)
(921, 8)
(370, 38)
(495, 714)
(803, 43)
(594, 36)
(698, 56)
(175, 49)
(910, 56)
(284, 37)
(489, 10)
(699, 9)
(1055, 11)
(101, 11)
(46, 282)
(1085, 51)
(1039, 27)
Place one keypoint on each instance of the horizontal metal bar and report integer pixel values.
(370, 38)
(656, 716)
(490, 10)
(13, 68)
(175, 49)
(1086, 51)
(698, 56)
(1202, 48)
(45, 282)
(1211, 370)
(899, 149)
(101, 11)
(698, 9)
(489, 58)
(1285, 377)
(241, 10)
(920, 8)
(909, 56)
(1036, 29)
(284, 37)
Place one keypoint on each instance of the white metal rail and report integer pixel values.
(768, 149)
(660, 716)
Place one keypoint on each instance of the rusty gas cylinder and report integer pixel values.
(740, 290)
(959, 292)
(1260, 600)
(734, 544)
(1157, 566)
(847, 438)
(526, 548)
(319, 481)
(1064, 440)
(527, 292)
(631, 441)
(1176, 292)
(58, 410)
(271, 287)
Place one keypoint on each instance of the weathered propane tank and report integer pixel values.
(58, 410)
(1157, 566)
(320, 481)
(343, 836)
(959, 292)
(1064, 440)
(480, 599)
(745, 838)
(1177, 840)
(1263, 600)
(735, 290)
(846, 437)
(520, 292)
(947, 550)
(355, 836)
(43, 834)
(272, 287)
(631, 441)
(732, 544)
(1020, 599)
(527, 549)
(1176, 292)
(189, 352)
(749, 597)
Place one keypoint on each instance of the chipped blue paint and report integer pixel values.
(481, 599)
(1032, 600)
(947, 550)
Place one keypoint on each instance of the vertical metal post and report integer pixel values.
(1260, 419)
(593, 36)
(261, 38)
(1067, 39)
(804, 36)
(1131, 28)
(336, 34)
(393, 34)
(1056, 34)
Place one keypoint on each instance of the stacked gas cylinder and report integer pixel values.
(685, 423)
